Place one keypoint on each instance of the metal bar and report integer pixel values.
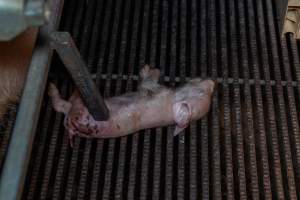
(259, 118)
(61, 172)
(281, 9)
(204, 139)
(63, 43)
(96, 174)
(89, 20)
(105, 34)
(138, 170)
(109, 168)
(191, 59)
(50, 158)
(73, 167)
(215, 129)
(291, 112)
(180, 65)
(16, 162)
(18, 15)
(157, 168)
(121, 169)
(294, 63)
(227, 116)
(129, 190)
(6, 134)
(77, 24)
(250, 147)
(38, 162)
(96, 34)
(239, 154)
(144, 179)
(276, 172)
(83, 181)
(276, 57)
(220, 80)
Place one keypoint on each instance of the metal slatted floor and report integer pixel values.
(248, 146)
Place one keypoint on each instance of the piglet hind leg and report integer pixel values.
(59, 104)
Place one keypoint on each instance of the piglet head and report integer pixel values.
(192, 102)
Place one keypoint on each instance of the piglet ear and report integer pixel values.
(182, 115)
(178, 130)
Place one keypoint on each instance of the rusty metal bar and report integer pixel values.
(239, 152)
(276, 171)
(227, 115)
(63, 43)
(280, 109)
(259, 121)
(250, 146)
(281, 10)
(291, 112)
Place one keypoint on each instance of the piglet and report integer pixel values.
(153, 105)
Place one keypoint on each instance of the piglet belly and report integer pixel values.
(133, 119)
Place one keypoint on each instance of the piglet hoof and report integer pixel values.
(71, 139)
(52, 90)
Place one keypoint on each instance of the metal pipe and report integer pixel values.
(63, 43)
(17, 158)
(17, 15)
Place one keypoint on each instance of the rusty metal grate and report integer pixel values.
(247, 147)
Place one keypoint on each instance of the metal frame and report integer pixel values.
(17, 15)
(63, 43)
(18, 154)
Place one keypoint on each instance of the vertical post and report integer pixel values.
(18, 153)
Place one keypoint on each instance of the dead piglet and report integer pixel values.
(153, 105)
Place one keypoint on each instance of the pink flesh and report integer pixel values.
(126, 116)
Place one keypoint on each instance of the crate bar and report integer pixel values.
(63, 43)
(17, 157)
